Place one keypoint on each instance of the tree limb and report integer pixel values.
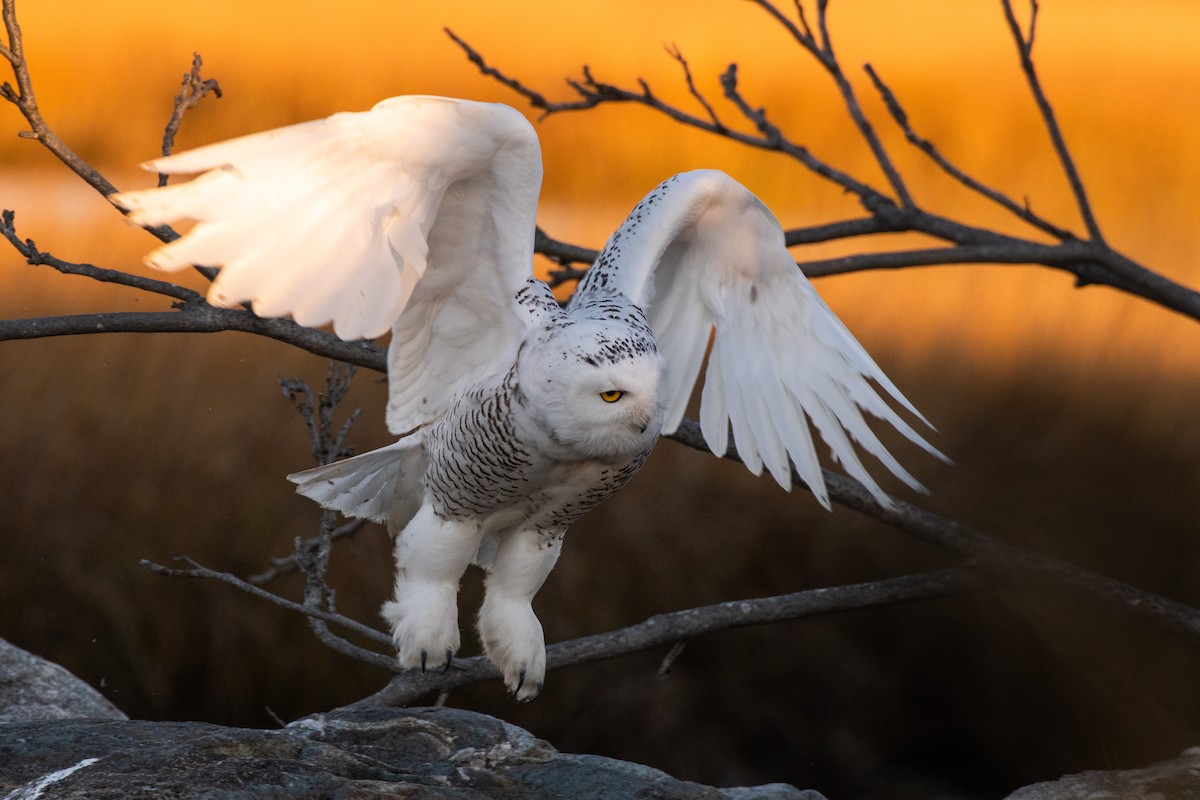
(197, 317)
(672, 627)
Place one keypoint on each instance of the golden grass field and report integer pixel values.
(1071, 414)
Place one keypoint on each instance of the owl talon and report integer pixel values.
(424, 623)
(520, 682)
(449, 659)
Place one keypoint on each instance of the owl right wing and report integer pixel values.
(416, 216)
(705, 259)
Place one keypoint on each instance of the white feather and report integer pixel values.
(382, 485)
(417, 215)
(702, 251)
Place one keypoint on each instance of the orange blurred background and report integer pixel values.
(1070, 413)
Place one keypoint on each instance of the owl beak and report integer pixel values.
(642, 423)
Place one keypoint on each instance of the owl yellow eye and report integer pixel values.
(612, 395)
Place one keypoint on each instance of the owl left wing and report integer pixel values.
(700, 254)
(416, 216)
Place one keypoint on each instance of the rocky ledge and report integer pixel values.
(61, 739)
(382, 753)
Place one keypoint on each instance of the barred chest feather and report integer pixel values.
(493, 461)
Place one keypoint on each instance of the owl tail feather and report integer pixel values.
(384, 485)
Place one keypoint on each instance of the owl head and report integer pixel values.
(592, 387)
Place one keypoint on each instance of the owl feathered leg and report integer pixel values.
(511, 633)
(431, 556)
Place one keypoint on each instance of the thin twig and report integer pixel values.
(850, 100)
(35, 257)
(773, 139)
(1024, 44)
(674, 52)
(327, 446)
(1020, 210)
(192, 90)
(536, 99)
(312, 556)
(823, 53)
(664, 668)
(195, 570)
(284, 565)
(801, 32)
(25, 100)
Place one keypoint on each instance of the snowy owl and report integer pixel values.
(515, 415)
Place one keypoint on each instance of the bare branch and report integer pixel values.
(850, 100)
(987, 564)
(535, 99)
(1032, 29)
(562, 252)
(669, 628)
(801, 32)
(1090, 263)
(674, 52)
(773, 139)
(844, 229)
(802, 18)
(987, 553)
(594, 93)
(825, 56)
(35, 257)
(327, 446)
(284, 565)
(1025, 50)
(192, 90)
(23, 98)
(195, 570)
(312, 557)
(927, 147)
(198, 317)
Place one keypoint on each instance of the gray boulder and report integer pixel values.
(440, 753)
(32, 688)
(1177, 779)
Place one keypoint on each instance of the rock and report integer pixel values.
(439, 753)
(60, 739)
(1178, 779)
(32, 688)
